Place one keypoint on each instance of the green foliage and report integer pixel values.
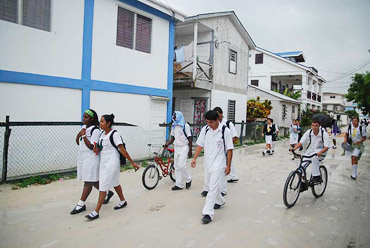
(42, 180)
(351, 113)
(359, 92)
(257, 109)
(306, 118)
(295, 95)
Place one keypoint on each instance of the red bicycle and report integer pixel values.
(151, 174)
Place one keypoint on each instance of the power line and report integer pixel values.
(351, 71)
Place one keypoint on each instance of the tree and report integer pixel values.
(359, 92)
(351, 113)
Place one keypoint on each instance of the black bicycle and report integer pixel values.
(297, 182)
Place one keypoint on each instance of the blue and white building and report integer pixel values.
(61, 57)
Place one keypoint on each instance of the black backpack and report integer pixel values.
(122, 158)
(223, 136)
(322, 136)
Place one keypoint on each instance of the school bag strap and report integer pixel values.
(223, 136)
(186, 135)
(121, 157)
(93, 129)
(322, 137)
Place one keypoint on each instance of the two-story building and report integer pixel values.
(211, 66)
(61, 57)
(334, 104)
(283, 72)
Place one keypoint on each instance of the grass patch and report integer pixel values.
(42, 180)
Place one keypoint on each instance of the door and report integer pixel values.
(200, 108)
(158, 116)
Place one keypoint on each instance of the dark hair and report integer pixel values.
(218, 110)
(95, 119)
(211, 115)
(358, 119)
(316, 120)
(272, 120)
(109, 118)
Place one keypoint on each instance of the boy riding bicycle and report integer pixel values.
(319, 143)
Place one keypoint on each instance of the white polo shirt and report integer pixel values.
(316, 140)
(232, 128)
(180, 137)
(356, 134)
(214, 150)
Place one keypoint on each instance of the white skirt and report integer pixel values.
(268, 139)
(88, 166)
(293, 139)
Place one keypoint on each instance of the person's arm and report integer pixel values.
(297, 146)
(80, 134)
(360, 141)
(126, 155)
(322, 151)
(229, 154)
(229, 158)
(198, 150)
(170, 142)
(345, 137)
(190, 153)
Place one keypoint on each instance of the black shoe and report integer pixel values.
(232, 180)
(75, 211)
(107, 198)
(316, 179)
(188, 185)
(304, 186)
(206, 219)
(223, 193)
(92, 218)
(176, 188)
(301, 148)
(119, 206)
(263, 153)
(218, 206)
(204, 193)
(353, 178)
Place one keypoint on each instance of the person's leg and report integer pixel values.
(232, 175)
(178, 169)
(273, 146)
(315, 166)
(182, 162)
(86, 190)
(206, 180)
(354, 160)
(119, 191)
(223, 185)
(214, 190)
(100, 201)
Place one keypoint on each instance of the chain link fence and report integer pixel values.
(38, 148)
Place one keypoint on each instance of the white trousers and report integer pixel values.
(316, 162)
(232, 175)
(214, 193)
(181, 171)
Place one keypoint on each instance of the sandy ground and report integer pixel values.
(254, 215)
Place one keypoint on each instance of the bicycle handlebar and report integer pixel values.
(303, 156)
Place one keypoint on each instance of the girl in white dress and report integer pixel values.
(109, 164)
(88, 161)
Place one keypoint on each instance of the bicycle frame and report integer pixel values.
(159, 162)
(304, 164)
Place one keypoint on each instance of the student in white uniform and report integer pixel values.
(216, 140)
(110, 164)
(182, 139)
(88, 161)
(319, 143)
(355, 136)
(275, 136)
(268, 131)
(293, 134)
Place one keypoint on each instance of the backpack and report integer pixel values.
(349, 140)
(122, 158)
(191, 133)
(322, 136)
(93, 129)
(223, 136)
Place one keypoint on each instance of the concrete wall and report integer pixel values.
(221, 99)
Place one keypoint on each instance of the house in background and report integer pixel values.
(334, 104)
(281, 72)
(211, 67)
(59, 58)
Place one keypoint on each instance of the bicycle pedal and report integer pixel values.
(160, 178)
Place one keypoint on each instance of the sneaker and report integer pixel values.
(343, 153)
(304, 186)
(204, 193)
(263, 153)
(206, 219)
(232, 180)
(188, 185)
(353, 178)
(119, 206)
(89, 217)
(268, 152)
(75, 211)
(218, 206)
(316, 179)
(176, 188)
(107, 198)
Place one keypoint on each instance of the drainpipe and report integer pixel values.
(195, 53)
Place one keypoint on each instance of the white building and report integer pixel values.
(334, 104)
(281, 71)
(211, 66)
(60, 57)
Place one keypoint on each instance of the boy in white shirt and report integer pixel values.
(355, 136)
(182, 139)
(319, 143)
(218, 151)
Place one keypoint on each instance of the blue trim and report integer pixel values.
(171, 51)
(146, 8)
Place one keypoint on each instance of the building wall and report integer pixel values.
(117, 64)
(221, 99)
(55, 53)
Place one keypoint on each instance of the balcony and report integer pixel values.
(318, 98)
(314, 96)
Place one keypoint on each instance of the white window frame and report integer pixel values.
(236, 61)
(136, 12)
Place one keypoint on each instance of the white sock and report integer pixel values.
(354, 169)
(93, 214)
(80, 204)
(121, 202)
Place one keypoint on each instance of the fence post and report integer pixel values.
(5, 151)
(241, 133)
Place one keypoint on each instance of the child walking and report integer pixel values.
(110, 164)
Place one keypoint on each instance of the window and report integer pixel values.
(284, 112)
(31, 13)
(232, 61)
(254, 82)
(134, 31)
(293, 109)
(259, 58)
(274, 86)
(231, 111)
(332, 96)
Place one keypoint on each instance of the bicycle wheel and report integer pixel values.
(319, 189)
(292, 189)
(172, 173)
(150, 177)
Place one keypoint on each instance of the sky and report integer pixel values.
(334, 35)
